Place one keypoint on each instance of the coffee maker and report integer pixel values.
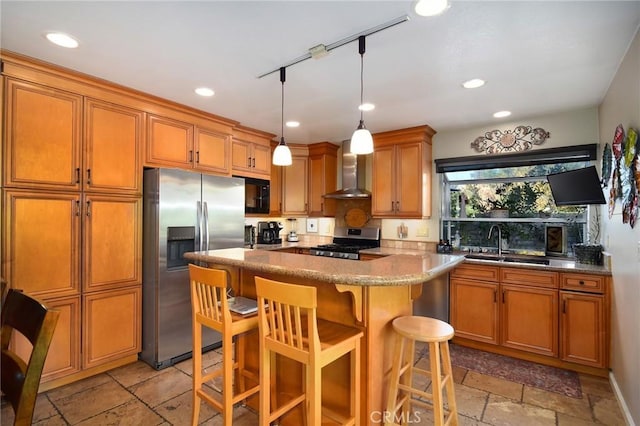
(269, 232)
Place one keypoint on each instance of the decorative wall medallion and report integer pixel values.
(522, 138)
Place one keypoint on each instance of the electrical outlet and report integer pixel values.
(423, 231)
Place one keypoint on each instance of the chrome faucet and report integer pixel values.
(499, 237)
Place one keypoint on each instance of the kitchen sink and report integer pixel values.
(509, 259)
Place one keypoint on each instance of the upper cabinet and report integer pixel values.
(323, 163)
(295, 197)
(251, 153)
(43, 127)
(189, 144)
(402, 173)
(46, 128)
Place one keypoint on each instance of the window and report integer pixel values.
(510, 190)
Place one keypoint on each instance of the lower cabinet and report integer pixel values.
(561, 316)
(63, 357)
(111, 325)
(582, 328)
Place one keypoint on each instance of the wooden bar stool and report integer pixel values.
(210, 308)
(436, 333)
(289, 326)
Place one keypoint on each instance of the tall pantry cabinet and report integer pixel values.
(72, 211)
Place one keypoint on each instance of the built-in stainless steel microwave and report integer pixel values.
(256, 196)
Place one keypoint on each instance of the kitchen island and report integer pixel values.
(367, 295)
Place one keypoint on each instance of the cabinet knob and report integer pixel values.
(248, 161)
(253, 162)
(190, 156)
(77, 174)
(581, 282)
(197, 156)
(88, 208)
(88, 176)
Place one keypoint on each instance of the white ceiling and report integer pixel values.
(537, 57)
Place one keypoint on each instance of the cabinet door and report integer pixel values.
(103, 314)
(241, 155)
(322, 179)
(275, 191)
(41, 242)
(169, 142)
(582, 330)
(408, 180)
(529, 319)
(383, 195)
(43, 137)
(261, 159)
(294, 187)
(112, 242)
(113, 144)
(474, 310)
(63, 357)
(212, 152)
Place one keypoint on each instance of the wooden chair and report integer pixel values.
(289, 327)
(210, 308)
(21, 377)
(436, 333)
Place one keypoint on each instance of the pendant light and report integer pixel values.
(361, 140)
(282, 153)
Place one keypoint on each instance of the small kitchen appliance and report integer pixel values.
(347, 243)
(269, 232)
(292, 236)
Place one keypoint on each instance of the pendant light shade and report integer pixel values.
(361, 140)
(282, 153)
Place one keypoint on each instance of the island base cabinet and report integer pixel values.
(582, 329)
(529, 320)
(63, 357)
(112, 325)
(474, 310)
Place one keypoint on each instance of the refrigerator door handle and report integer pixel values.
(206, 224)
(199, 225)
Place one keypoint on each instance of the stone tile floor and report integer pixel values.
(137, 394)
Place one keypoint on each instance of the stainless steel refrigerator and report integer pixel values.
(183, 212)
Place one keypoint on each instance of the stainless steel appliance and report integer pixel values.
(269, 232)
(347, 242)
(183, 212)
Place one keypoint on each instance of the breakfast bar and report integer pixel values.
(363, 294)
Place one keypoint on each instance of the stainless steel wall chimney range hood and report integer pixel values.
(353, 177)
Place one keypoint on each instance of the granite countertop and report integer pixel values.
(397, 269)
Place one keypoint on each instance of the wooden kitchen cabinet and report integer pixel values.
(43, 137)
(112, 161)
(474, 309)
(323, 169)
(275, 188)
(41, 242)
(63, 357)
(48, 147)
(212, 151)
(584, 319)
(251, 153)
(112, 242)
(105, 312)
(295, 201)
(402, 173)
(556, 318)
(529, 320)
(169, 142)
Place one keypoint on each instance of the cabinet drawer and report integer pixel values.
(476, 272)
(582, 282)
(529, 277)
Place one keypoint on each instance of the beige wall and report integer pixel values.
(621, 105)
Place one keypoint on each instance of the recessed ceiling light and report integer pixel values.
(473, 83)
(63, 40)
(292, 124)
(204, 91)
(501, 114)
(430, 7)
(367, 107)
